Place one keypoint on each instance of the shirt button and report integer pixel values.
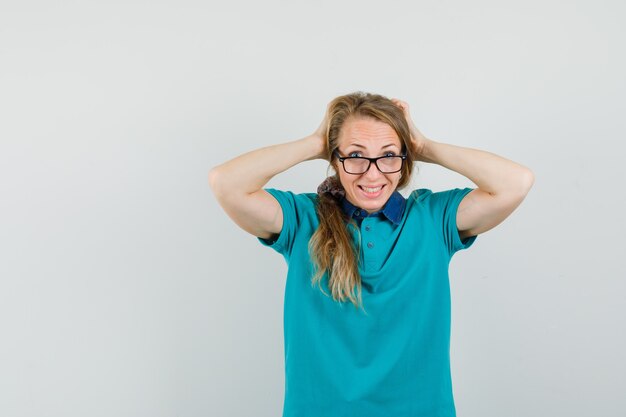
(358, 213)
(370, 245)
(367, 228)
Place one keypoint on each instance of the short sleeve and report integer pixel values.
(284, 241)
(448, 201)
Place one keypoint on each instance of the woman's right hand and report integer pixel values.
(320, 137)
(238, 183)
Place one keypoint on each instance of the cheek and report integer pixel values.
(345, 181)
(395, 181)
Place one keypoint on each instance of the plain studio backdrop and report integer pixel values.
(125, 290)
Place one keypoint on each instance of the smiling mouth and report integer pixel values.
(370, 189)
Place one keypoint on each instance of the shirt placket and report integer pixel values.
(369, 251)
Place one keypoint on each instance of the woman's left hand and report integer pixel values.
(417, 138)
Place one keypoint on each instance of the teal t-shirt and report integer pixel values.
(393, 361)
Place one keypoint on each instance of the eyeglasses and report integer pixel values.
(357, 165)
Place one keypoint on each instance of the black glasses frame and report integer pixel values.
(374, 160)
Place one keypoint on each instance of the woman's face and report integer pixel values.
(370, 138)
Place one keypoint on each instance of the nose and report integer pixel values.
(372, 172)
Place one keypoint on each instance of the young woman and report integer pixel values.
(367, 297)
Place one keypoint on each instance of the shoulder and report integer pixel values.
(290, 201)
(298, 218)
(419, 196)
(419, 193)
(425, 197)
(300, 197)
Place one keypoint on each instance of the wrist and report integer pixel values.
(426, 150)
(315, 147)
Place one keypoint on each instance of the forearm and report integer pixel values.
(249, 172)
(491, 173)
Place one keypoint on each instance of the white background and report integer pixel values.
(126, 291)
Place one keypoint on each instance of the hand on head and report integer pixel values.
(417, 138)
(321, 136)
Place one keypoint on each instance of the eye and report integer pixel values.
(353, 154)
(390, 154)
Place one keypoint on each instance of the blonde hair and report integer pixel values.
(331, 246)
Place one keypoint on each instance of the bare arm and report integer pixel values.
(502, 184)
(237, 184)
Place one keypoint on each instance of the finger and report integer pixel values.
(402, 104)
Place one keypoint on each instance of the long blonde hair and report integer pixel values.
(331, 246)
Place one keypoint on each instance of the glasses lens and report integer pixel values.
(390, 164)
(355, 165)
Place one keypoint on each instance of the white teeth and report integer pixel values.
(372, 190)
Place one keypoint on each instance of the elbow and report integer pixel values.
(215, 180)
(528, 180)
(523, 184)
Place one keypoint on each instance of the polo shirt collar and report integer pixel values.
(393, 209)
